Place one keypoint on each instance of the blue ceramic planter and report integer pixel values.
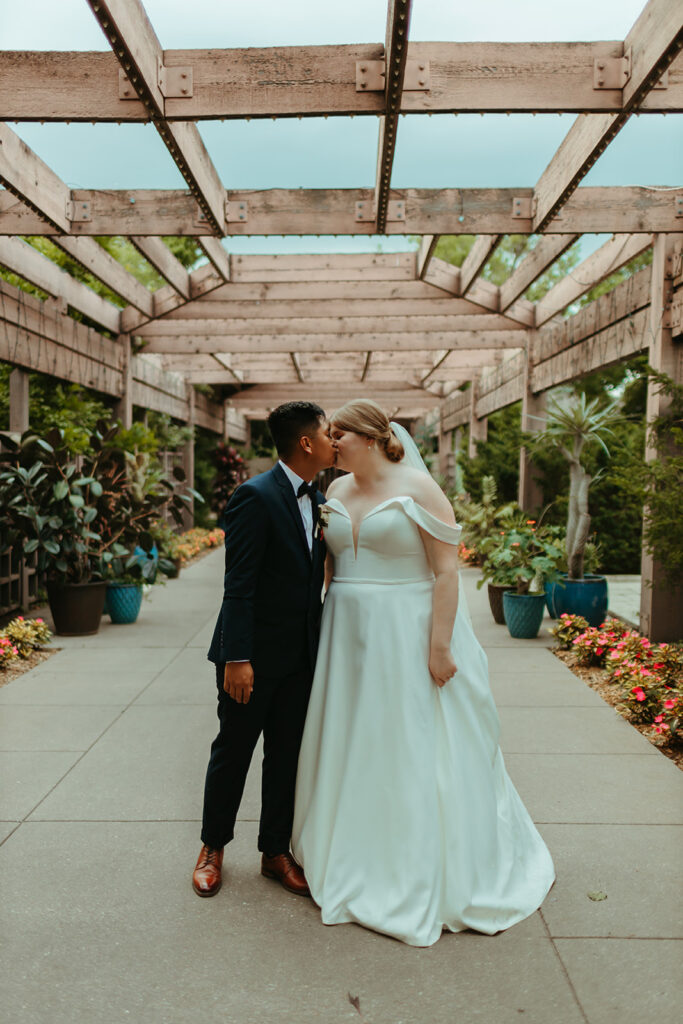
(587, 597)
(123, 601)
(523, 614)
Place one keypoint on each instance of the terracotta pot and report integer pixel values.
(76, 607)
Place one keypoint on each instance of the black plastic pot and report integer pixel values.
(496, 591)
(76, 607)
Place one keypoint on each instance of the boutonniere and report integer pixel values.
(323, 517)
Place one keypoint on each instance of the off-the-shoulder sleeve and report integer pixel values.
(442, 531)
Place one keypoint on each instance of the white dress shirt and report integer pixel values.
(305, 506)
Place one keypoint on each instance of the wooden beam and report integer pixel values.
(425, 253)
(548, 249)
(624, 300)
(225, 361)
(297, 367)
(441, 357)
(483, 248)
(269, 395)
(384, 342)
(216, 254)
(651, 45)
(134, 41)
(34, 335)
(613, 345)
(614, 254)
(164, 262)
(290, 81)
(29, 178)
(203, 281)
(212, 307)
(27, 262)
(108, 270)
(622, 209)
(395, 59)
(422, 325)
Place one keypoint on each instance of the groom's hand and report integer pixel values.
(238, 680)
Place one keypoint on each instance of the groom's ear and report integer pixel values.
(306, 444)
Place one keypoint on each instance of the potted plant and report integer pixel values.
(49, 506)
(78, 514)
(168, 542)
(525, 560)
(485, 519)
(573, 426)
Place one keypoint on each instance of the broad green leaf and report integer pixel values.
(60, 489)
(77, 500)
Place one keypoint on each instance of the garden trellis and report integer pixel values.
(407, 328)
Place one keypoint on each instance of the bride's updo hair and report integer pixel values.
(363, 416)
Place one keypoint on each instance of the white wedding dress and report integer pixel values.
(406, 821)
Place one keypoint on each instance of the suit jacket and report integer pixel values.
(272, 598)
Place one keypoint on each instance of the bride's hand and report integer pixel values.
(441, 665)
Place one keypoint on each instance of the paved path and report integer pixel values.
(104, 751)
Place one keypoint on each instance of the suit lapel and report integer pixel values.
(289, 498)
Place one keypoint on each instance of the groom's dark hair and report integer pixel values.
(291, 421)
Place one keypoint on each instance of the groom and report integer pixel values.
(264, 644)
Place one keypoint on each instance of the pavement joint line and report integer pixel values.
(623, 938)
(563, 966)
(103, 733)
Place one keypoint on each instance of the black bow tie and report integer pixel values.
(309, 489)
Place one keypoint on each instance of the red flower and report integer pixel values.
(639, 692)
(668, 704)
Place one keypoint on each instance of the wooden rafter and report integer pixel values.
(548, 249)
(28, 263)
(216, 254)
(135, 44)
(614, 254)
(202, 281)
(395, 58)
(425, 253)
(547, 77)
(650, 47)
(297, 367)
(483, 248)
(108, 270)
(623, 209)
(29, 178)
(164, 262)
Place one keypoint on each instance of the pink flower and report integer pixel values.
(20, 618)
(39, 620)
(599, 650)
(618, 672)
(668, 704)
(639, 693)
(659, 718)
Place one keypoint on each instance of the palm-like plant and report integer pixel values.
(571, 427)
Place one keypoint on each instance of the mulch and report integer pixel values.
(21, 665)
(597, 679)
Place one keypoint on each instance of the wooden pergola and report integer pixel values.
(406, 329)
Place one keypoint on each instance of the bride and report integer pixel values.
(406, 821)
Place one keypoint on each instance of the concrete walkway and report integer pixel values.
(104, 749)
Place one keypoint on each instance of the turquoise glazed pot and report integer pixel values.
(123, 601)
(588, 597)
(523, 614)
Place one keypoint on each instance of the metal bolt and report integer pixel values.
(601, 81)
(362, 85)
(601, 66)
(362, 67)
(420, 81)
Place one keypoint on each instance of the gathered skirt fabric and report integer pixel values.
(406, 820)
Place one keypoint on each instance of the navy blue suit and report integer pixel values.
(270, 616)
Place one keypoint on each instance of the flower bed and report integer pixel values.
(22, 644)
(641, 680)
(195, 542)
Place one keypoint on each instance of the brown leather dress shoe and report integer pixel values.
(285, 869)
(206, 877)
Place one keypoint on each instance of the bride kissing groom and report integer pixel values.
(381, 771)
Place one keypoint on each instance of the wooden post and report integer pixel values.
(446, 455)
(661, 609)
(226, 422)
(530, 492)
(18, 401)
(188, 455)
(123, 407)
(478, 428)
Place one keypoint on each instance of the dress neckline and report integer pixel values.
(355, 535)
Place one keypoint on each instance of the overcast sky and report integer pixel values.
(441, 151)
